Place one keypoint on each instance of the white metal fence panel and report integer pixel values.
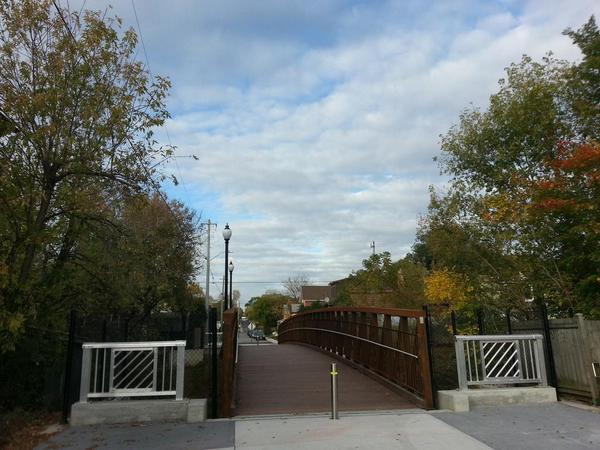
(500, 360)
(132, 369)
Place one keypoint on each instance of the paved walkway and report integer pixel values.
(398, 431)
(292, 379)
(530, 427)
(555, 427)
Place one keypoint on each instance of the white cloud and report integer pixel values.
(316, 122)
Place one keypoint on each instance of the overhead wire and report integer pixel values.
(148, 174)
(137, 21)
(152, 181)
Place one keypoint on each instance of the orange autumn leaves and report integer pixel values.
(570, 183)
(575, 182)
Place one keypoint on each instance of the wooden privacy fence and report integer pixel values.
(389, 342)
(228, 349)
(576, 352)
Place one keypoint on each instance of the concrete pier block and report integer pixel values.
(131, 411)
(466, 400)
(197, 410)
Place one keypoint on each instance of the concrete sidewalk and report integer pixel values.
(370, 431)
(416, 430)
(530, 427)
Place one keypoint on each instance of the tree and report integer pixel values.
(144, 264)
(310, 307)
(76, 136)
(383, 282)
(567, 202)
(375, 284)
(266, 310)
(585, 79)
(444, 286)
(520, 214)
(293, 286)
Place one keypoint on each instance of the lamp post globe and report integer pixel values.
(226, 232)
(226, 236)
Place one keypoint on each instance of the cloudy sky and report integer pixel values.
(315, 122)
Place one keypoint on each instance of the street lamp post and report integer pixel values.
(231, 283)
(226, 236)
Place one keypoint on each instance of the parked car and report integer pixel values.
(259, 334)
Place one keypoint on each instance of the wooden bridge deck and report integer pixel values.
(290, 378)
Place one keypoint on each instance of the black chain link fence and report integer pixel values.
(44, 370)
(444, 323)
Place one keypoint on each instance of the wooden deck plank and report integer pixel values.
(289, 379)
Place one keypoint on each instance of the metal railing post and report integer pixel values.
(180, 372)
(86, 363)
(461, 368)
(540, 360)
(334, 392)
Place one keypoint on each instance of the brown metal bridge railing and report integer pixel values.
(227, 370)
(389, 342)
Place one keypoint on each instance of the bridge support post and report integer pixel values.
(214, 361)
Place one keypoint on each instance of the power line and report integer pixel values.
(152, 75)
(84, 56)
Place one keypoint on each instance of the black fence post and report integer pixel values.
(453, 319)
(430, 352)
(508, 322)
(480, 321)
(66, 406)
(551, 365)
(214, 385)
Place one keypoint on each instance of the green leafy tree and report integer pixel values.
(266, 310)
(493, 226)
(76, 114)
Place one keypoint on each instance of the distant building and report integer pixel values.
(290, 308)
(336, 286)
(313, 294)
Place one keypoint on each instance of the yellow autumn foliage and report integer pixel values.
(445, 286)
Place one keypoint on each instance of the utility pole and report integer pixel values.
(373, 246)
(207, 289)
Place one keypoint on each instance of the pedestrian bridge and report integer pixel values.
(381, 356)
